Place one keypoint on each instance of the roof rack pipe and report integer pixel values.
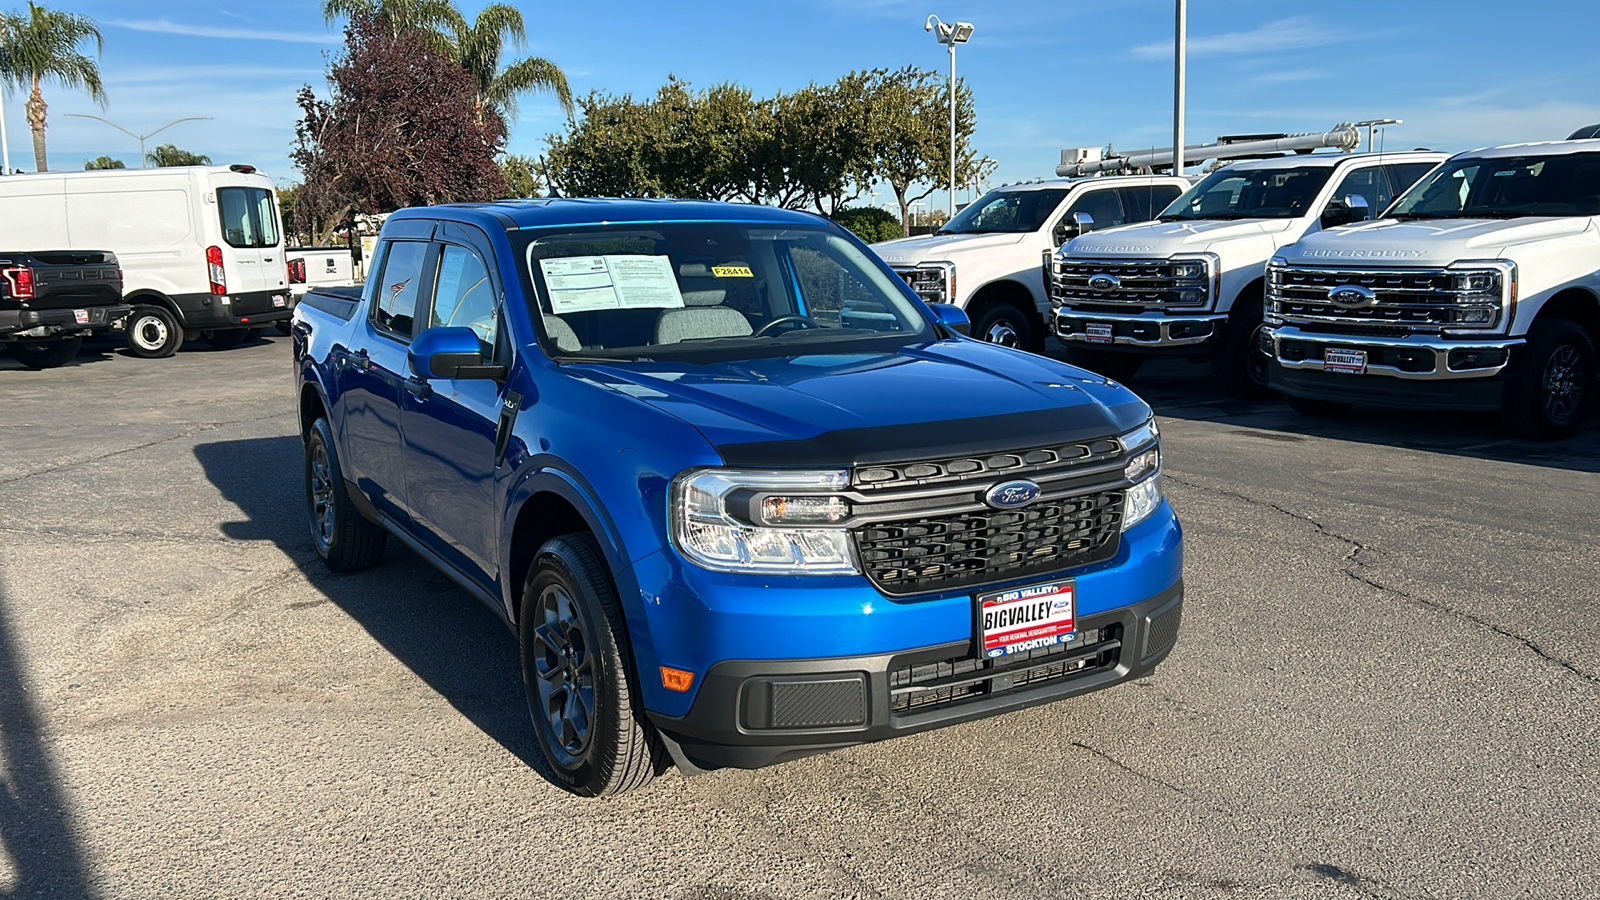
(1343, 137)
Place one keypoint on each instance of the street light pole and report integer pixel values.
(959, 33)
(1179, 54)
(142, 137)
(5, 146)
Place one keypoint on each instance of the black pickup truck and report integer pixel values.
(49, 300)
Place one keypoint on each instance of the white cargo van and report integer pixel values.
(201, 247)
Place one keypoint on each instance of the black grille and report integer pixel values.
(952, 551)
(963, 468)
(1407, 300)
(928, 686)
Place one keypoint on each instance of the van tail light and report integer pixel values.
(297, 271)
(20, 278)
(219, 281)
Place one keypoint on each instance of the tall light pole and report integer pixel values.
(1180, 54)
(5, 146)
(142, 137)
(951, 35)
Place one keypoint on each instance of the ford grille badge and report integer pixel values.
(1102, 283)
(1012, 494)
(1352, 296)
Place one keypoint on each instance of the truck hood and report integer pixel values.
(1162, 239)
(1427, 242)
(905, 251)
(946, 398)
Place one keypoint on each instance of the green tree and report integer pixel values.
(43, 46)
(167, 155)
(479, 46)
(869, 223)
(522, 175)
(104, 162)
(910, 118)
(434, 20)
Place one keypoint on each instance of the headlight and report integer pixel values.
(731, 520)
(1144, 469)
(1188, 271)
(1478, 282)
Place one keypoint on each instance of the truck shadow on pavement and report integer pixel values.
(1183, 390)
(458, 647)
(34, 827)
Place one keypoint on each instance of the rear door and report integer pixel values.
(252, 241)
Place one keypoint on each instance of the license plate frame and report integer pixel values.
(1098, 332)
(1344, 361)
(80, 316)
(279, 301)
(1030, 617)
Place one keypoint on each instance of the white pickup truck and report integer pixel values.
(1191, 283)
(989, 259)
(1478, 290)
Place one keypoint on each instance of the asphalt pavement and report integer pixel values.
(1387, 686)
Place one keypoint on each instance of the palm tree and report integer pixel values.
(169, 155)
(435, 19)
(43, 46)
(478, 48)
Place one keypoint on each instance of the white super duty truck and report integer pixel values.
(1191, 284)
(1477, 290)
(989, 259)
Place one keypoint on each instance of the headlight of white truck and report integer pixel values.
(1144, 470)
(933, 282)
(1485, 293)
(768, 522)
(1196, 278)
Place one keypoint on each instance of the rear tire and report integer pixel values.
(1115, 366)
(225, 340)
(1004, 324)
(153, 332)
(46, 354)
(1318, 409)
(345, 541)
(1554, 387)
(1240, 364)
(578, 674)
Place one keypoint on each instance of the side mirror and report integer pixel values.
(1347, 210)
(450, 353)
(952, 317)
(1084, 221)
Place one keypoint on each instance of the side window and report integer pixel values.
(1105, 207)
(1141, 204)
(1403, 175)
(1369, 183)
(836, 295)
(464, 297)
(395, 304)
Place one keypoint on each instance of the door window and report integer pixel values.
(1103, 206)
(1403, 175)
(1141, 204)
(395, 305)
(249, 217)
(1370, 184)
(464, 296)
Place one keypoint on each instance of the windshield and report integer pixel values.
(1250, 194)
(721, 290)
(1017, 212)
(1506, 187)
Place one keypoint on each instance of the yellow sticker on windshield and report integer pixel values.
(732, 272)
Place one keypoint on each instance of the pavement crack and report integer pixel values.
(1134, 772)
(1354, 566)
(131, 534)
(208, 426)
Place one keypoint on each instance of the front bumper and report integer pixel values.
(24, 324)
(1414, 371)
(754, 713)
(1146, 331)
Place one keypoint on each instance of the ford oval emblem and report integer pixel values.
(1352, 296)
(1102, 283)
(1012, 494)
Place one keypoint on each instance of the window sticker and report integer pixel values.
(586, 283)
(732, 272)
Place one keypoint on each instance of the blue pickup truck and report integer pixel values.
(740, 494)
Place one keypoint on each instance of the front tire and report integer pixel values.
(1115, 366)
(1555, 385)
(153, 332)
(345, 541)
(1004, 324)
(1240, 364)
(46, 354)
(577, 671)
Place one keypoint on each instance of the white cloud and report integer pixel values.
(162, 26)
(1284, 34)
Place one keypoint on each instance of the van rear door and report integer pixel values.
(252, 242)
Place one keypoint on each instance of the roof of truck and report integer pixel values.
(553, 212)
(1059, 183)
(1301, 160)
(1537, 148)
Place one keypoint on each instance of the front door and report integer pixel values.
(450, 429)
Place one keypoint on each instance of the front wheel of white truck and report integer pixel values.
(576, 671)
(1554, 386)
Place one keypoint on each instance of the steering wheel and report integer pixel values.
(807, 321)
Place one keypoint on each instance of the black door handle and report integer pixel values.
(417, 386)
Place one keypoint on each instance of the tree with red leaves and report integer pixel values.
(401, 128)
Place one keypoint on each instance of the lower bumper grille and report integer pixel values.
(938, 685)
(941, 552)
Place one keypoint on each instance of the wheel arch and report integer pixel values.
(550, 503)
(1253, 289)
(313, 406)
(150, 297)
(1011, 293)
(1576, 304)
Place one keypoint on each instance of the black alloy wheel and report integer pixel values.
(345, 541)
(1553, 387)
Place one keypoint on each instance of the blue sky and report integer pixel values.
(1047, 75)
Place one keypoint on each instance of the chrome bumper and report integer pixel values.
(1439, 349)
(1158, 325)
